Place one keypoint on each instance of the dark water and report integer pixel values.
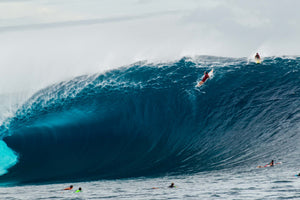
(150, 120)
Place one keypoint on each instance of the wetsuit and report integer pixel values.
(205, 78)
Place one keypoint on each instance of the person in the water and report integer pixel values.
(206, 76)
(79, 190)
(272, 163)
(172, 185)
(69, 188)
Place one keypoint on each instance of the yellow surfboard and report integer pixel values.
(258, 61)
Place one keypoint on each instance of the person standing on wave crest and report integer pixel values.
(257, 56)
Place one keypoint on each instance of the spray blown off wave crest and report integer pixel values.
(149, 119)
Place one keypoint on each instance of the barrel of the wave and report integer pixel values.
(8, 158)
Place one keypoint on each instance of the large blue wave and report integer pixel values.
(150, 119)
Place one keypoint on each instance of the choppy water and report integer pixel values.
(268, 183)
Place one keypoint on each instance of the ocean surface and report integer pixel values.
(120, 133)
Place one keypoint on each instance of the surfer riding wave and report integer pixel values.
(206, 76)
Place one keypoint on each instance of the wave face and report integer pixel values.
(151, 120)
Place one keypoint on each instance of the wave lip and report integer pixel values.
(148, 119)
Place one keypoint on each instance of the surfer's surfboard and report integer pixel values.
(211, 73)
(258, 61)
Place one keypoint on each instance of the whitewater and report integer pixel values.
(119, 133)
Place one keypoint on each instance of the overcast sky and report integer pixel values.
(44, 41)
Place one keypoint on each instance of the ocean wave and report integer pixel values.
(150, 119)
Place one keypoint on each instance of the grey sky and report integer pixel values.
(46, 41)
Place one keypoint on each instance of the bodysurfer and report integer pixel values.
(206, 76)
(69, 188)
